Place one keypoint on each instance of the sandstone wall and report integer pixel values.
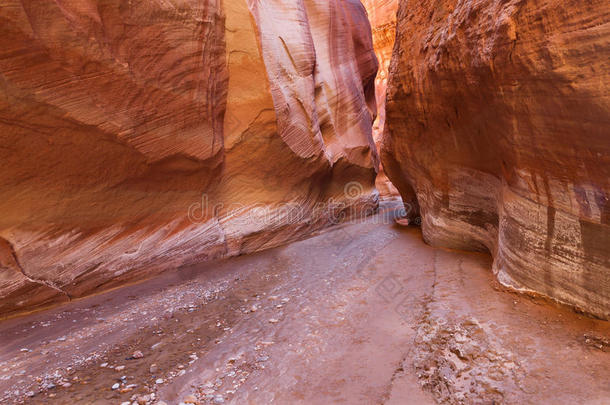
(498, 119)
(141, 136)
(382, 16)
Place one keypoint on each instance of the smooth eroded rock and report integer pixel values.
(141, 136)
(382, 15)
(498, 127)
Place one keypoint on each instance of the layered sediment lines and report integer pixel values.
(382, 15)
(141, 136)
(498, 127)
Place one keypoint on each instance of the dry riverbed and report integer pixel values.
(360, 314)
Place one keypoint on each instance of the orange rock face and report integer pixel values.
(382, 15)
(498, 120)
(141, 136)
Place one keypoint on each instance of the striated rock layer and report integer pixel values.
(498, 126)
(141, 136)
(382, 15)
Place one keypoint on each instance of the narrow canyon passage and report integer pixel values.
(304, 202)
(361, 313)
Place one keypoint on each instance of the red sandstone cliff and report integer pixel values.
(498, 118)
(117, 117)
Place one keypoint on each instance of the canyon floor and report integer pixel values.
(362, 313)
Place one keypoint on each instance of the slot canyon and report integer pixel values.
(304, 202)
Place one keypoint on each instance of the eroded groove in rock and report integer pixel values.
(497, 119)
(137, 137)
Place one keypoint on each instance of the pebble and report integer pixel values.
(190, 399)
(143, 400)
(159, 381)
(48, 386)
(273, 320)
(116, 386)
(137, 354)
(25, 350)
(66, 385)
(104, 365)
(119, 368)
(219, 399)
(30, 393)
(153, 368)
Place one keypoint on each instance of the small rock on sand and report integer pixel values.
(190, 399)
(143, 400)
(402, 221)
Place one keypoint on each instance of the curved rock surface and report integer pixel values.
(498, 126)
(138, 136)
(382, 15)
